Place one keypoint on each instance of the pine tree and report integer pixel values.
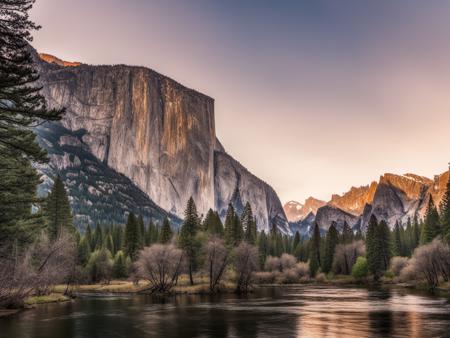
(378, 247)
(296, 241)
(347, 233)
(141, 229)
(98, 238)
(57, 210)
(21, 108)
(120, 265)
(248, 224)
(398, 247)
(373, 257)
(83, 251)
(332, 239)
(131, 241)
(187, 238)
(109, 244)
(431, 227)
(415, 233)
(445, 212)
(263, 247)
(230, 239)
(384, 244)
(166, 232)
(314, 254)
(88, 236)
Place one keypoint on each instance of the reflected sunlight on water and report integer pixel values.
(291, 311)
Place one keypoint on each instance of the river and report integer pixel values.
(292, 311)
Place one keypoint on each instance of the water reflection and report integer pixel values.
(284, 312)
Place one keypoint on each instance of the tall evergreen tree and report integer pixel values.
(431, 227)
(166, 232)
(248, 224)
(445, 211)
(296, 240)
(230, 240)
(141, 229)
(57, 210)
(88, 236)
(398, 246)
(98, 238)
(21, 108)
(263, 247)
(347, 233)
(415, 233)
(331, 240)
(314, 254)
(187, 237)
(373, 258)
(384, 244)
(131, 240)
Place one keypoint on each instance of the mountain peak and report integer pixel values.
(57, 61)
(296, 211)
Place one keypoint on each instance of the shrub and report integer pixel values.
(360, 269)
(100, 266)
(287, 261)
(397, 264)
(264, 277)
(320, 277)
(272, 264)
(345, 256)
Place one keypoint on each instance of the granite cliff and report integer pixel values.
(155, 132)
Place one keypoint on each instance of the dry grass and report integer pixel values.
(51, 298)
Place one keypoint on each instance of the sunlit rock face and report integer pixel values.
(394, 198)
(155, 132)
(296, 211)
(143, 125)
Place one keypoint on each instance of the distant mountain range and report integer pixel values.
(133, 140)
(392, 198)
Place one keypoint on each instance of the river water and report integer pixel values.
(294, 311)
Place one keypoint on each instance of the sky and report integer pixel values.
(311, 96)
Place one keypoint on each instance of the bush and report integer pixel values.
(321, 277)
(264, 277)
(397, 264)
(287, 261)
(360, 269)
(272, 264)
(302, 269)
(345, 256)
(100, 266)
(120, 268)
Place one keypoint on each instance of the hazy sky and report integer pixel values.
(311, 96)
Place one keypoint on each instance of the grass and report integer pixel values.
(51, 298)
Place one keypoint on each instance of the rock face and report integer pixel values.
(393, 198)
(296, 211)
(236, 184)
(157, 133)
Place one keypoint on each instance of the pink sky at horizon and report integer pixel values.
(311, 98)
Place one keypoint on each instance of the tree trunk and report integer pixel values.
(190, 274)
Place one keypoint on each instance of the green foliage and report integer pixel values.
(378, 246)
(263, 247)
(132, 239)
(83, 251)
(187, 237)
(57, 210)
(248, 224)
(314, 253)
(398, 245)
(21, 108)
(431, 227)
(233, 228)
(120, 269)
(212, 223)
(347, 234)
(166, 232)
(99, 266)
(330, 244)
(445, 212)
(360, 269)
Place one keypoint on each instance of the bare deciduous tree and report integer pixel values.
(397, 264)
(216, 261)
(432, 261)
(160, 265)
(35, 270)
(345, 256)
(246, 262)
